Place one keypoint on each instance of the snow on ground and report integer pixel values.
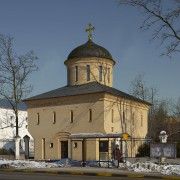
(152, 167)
(136, 167)
(25, 164)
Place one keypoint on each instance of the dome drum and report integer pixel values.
(89, 62)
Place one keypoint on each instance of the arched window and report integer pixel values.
(133, 118)
(112, 115)
(54, 117)
(124, 118)
(88, 72)
(108, 75)
(38, 119)
(141, 120)
(68, 75)
(71, 116)
(100, 73)
(76, 75)
(90, 115)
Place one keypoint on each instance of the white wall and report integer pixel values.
(7, 118)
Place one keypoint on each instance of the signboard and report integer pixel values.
(125, 136)
(163, 150)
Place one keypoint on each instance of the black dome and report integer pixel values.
(90, 49)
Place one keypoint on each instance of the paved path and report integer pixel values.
(113, 172)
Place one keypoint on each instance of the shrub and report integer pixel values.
(178, 150)
(143, 150)
(6, 152)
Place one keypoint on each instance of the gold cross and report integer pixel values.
(89, 30)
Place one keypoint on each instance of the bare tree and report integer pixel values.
(139, 89)
(14, 72)
(163, 17)
(177, 108)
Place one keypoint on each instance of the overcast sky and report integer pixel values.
(53, 28)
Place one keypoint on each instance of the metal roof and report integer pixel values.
(96, 135)
(88, 88)
(7, 105)
(90, 49)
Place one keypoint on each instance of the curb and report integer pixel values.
(92, 174)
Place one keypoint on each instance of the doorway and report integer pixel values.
(64, 149)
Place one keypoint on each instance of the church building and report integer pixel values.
(65, 120)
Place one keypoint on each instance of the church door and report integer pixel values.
(64, 149)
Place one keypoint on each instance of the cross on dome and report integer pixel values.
(89, 30)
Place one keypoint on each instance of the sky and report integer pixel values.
(53, 28)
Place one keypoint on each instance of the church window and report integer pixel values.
(133, 118)
(75, 145)
(141, 120)
(100, 73)
(76, 75)
(112, 129)
(68, 75)
(88, 72)
(108, 75)
(112, 115)
(38, 119)
(54, 117)
(51, 145)
(43, 148)
(71, 116)
(124, 117)
(90, 115)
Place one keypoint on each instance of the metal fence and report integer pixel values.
(132, 148)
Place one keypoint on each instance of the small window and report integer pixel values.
(133, 118)
(141, 120)
(88, 72)
(54, 117)
(108, 75)
(75, 145)
(124, 117)
(112, 115)
(112, 129)
(51, 145)
(76, 74)
(26, 126)
(100, 73)
(68, 75)
(90, 115)
(103, 146)
(11, 117)
(71, 116)
(38, 119)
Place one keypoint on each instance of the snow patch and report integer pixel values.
(135, 167)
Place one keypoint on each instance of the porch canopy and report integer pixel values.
(97, 135)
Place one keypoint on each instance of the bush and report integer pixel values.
(6, 152)
(178, 150)
(143, 150)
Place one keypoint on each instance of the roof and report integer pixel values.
(6, 104)
(88, 88)
(90, 49)
(97, 135)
